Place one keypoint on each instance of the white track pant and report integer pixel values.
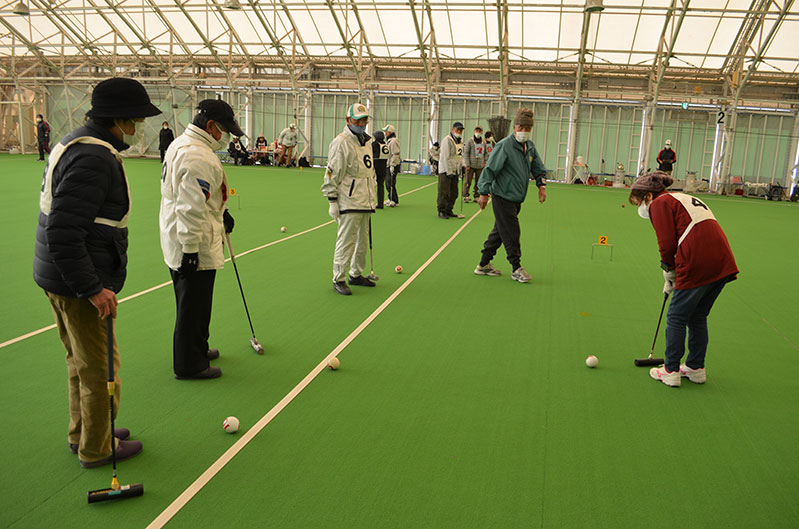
(352, 243)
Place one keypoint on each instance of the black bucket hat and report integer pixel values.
(121, 97)
(222, 113)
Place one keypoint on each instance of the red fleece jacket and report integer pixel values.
(704, 255)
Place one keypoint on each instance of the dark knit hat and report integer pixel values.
(120, 97)
(222, 113)
(524, 118)
(654, 183)
(457, 125)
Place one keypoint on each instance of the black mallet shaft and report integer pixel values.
(115, 492)
(649, 361)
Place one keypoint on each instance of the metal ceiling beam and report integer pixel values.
(422, 53)
(347, 47)
(746, 36)
(30, 45)
(294, 26)
(208, 44)
(502, 35)
(69, 32)
(763, 47)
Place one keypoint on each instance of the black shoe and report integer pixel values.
(125, 450)
(361, 281)
(210, 372)
(120, 433)
(212, 354)
(442, 215)
(342, 288)
(451, 215)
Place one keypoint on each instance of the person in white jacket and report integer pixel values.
(193, 222)
(287, 141)
(349, 187)
(394, 162)
(449, 169)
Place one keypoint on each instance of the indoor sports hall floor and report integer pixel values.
(464, 403)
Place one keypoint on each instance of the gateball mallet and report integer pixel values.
(372, 276)
(647, 362)
(115, 491)
(257, 347)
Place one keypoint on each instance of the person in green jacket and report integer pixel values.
(506, 177)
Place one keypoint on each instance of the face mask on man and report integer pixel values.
(223, 141)
(456, 135)
(522, 136)
(166, 127)
(643, 210)
(477, 135)
(357, 129)
(38, 120)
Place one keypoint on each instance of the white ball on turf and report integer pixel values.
(231, 425)
(591, 361)
(334, 363)
(398, 269)
(283, 229)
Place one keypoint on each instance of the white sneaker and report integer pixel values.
(665, 376)
(697, 376)
(520, 275)
(487, 270)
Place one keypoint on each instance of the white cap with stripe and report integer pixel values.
(357, 111)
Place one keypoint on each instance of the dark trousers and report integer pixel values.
(391, 183)
(506, 232)
(689, 308)
(44, 147)
(163, 152)
(194, 295)
(447, 192)
(239, 156)
(380, 174)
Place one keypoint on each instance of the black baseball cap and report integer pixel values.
(120, 97)
(222, 113)
(457, 125)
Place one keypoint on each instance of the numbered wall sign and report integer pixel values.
(603, 240)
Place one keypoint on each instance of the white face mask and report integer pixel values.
(521, 136)
(138, 133)
(643, 210)
(222, 142)
(478, 135)
(456, 135)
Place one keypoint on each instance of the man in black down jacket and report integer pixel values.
(165, 138)
(81, 257)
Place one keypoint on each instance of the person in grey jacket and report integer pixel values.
(474, 155)
(80, 257)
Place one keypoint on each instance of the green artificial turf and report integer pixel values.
(466, 403)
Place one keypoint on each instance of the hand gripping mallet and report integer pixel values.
(646, 362)
(253, 341)
(116, 491)
(372, 276)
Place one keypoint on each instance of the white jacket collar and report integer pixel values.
(193, 131)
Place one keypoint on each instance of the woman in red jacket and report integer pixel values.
(697, 262)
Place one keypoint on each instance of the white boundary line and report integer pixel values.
(181, 501)
(31, 334)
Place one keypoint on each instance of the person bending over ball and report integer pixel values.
(697, 262)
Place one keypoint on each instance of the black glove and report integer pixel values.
(229, 222)
(189, 264)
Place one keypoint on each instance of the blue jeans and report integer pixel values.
(689, 308)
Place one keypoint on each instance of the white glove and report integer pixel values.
(670, 277)
(333, 211)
